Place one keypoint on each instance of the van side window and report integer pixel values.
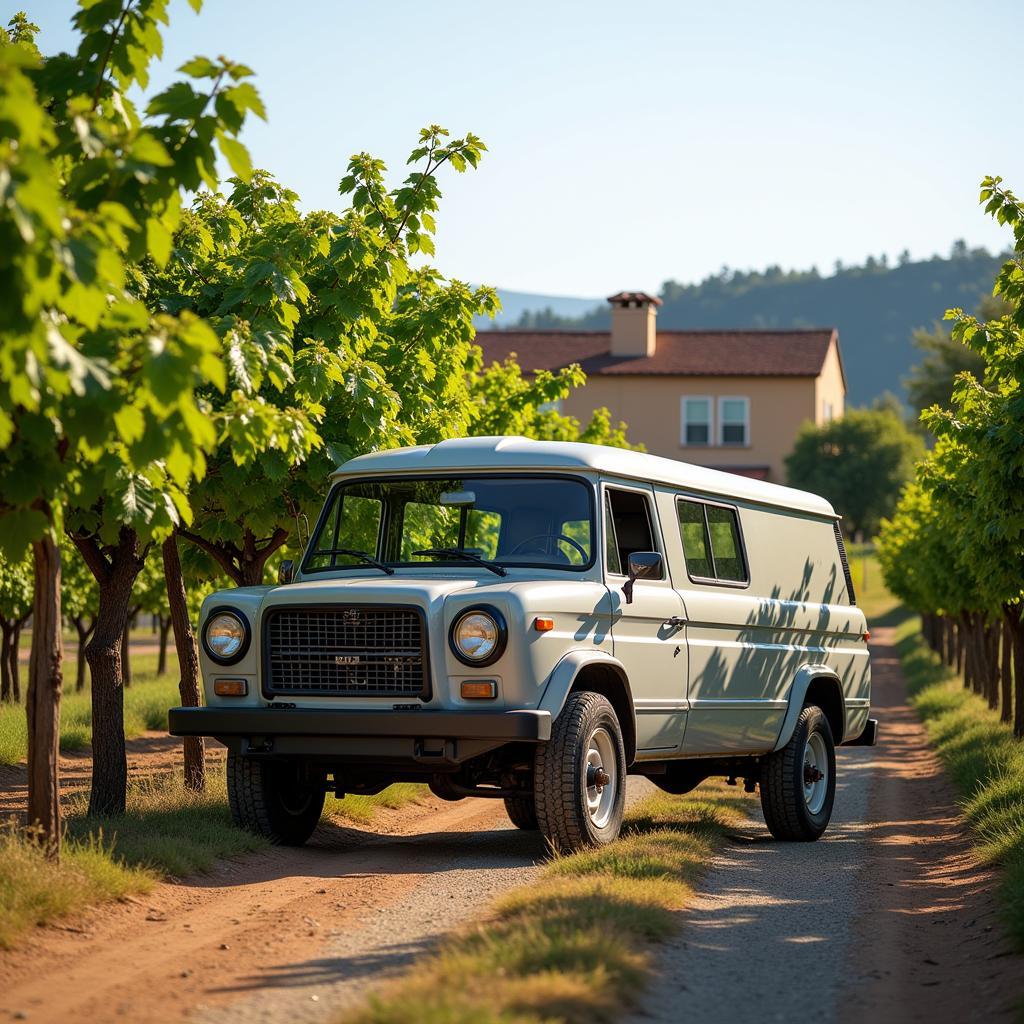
(629, 528)
(711, 542)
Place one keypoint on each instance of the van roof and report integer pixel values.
(518, 453)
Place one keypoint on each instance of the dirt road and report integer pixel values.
(886, 918)
(288, 935)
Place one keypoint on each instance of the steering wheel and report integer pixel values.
(551, 536)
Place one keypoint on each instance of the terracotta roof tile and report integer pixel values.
(744, 353)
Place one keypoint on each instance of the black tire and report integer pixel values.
(522, 812)
(783, 795)
(441, 787)
(561, 774)
(274, 799)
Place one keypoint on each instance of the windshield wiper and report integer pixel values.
(363, 556)
(466, 555)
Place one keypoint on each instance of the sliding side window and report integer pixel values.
(712, 543)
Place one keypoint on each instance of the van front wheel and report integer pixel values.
(798, 782)
(579, 777)
(274, 799)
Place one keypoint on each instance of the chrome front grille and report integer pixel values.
(345, 651)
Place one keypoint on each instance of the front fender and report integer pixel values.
(798, 696)
(564, 675)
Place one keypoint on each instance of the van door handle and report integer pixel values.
(676, 622)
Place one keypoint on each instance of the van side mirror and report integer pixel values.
(286, 572)
(643, 565)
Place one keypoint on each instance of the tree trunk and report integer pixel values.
(126, 660)
(115, 576)
(951, 642)
(6, 689)
(966, 649)
(1006, 675)
(1017, 628)
(960, 644)
(188, 661)
(990, 685)
(45, 682)
(84, 632)
(165, 626)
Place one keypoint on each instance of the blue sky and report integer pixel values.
(633, 142)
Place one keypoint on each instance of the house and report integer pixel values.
(728, 399)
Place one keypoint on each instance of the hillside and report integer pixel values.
(875, 307)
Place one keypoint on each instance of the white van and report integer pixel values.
(531, 621)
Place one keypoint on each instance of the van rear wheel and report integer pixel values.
(579, 775)
(798, 782)
(274, 799)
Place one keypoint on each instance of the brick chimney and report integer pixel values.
(634, 330)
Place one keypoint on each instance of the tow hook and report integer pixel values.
(597, 777)
(811, 775)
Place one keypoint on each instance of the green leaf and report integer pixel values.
(236, 155)
(200, 67)
(18, 529)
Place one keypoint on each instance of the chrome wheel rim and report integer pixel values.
(815, 772)
(601, 777)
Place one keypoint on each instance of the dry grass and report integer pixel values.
(361, 809)
(573, 947)
(168, 831)
(34, 890)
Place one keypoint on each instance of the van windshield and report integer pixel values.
(507, 521)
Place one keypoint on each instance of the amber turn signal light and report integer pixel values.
(479, 689)
(230, 687)
(543, 625)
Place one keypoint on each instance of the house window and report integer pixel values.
(734, 421)
(696, 420)
(827, 413)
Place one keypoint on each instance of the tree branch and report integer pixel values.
(216, 553)
(110, 49)
(93, 556)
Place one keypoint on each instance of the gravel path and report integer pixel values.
(459, 874)
(886, 918)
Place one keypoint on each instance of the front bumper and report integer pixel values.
(419, 737)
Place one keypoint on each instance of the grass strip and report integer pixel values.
(167, 831)
(34, 890)
(145, 708)
(573, 946)
(984, 761)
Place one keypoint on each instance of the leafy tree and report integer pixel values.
(98, 411)
(506, 402)
(860, 463)
(931, 381)
(971, 542)
(79, 600)
(15, 609)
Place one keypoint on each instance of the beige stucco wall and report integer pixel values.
(652, 409)
(829, 387)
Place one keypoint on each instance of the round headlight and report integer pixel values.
(478, 637)
(226, 636)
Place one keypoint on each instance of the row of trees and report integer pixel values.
(954, 549)
(186, 372)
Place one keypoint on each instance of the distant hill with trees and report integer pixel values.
(877, 308)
